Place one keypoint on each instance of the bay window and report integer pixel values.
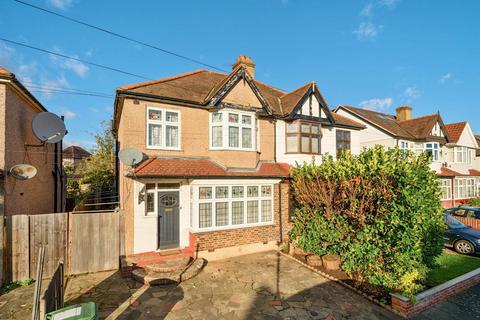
(432, 148)
(232, 130)
(236, 206)
(463, 155)
(163, 128)
(303, 137)
(465, 188)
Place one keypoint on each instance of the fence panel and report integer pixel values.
(17, 250)
(95, 241)
(48, 231)
(471, 222)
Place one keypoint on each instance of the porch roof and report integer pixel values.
(204, 168)
(446, 172)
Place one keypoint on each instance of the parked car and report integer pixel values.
(464, 212)
(460, 237)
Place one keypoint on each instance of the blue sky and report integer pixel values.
(377, 54)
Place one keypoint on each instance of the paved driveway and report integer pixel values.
(245, 287)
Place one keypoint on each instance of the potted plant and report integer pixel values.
(314, 260)
(331, 261)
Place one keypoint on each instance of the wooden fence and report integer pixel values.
(471, 222)
(85, 242)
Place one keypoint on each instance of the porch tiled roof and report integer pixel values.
(446, 172)
(204, 168)
(474, 172)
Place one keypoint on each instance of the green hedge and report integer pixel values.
(380, 211)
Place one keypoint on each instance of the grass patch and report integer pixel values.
(451, 266)
(14, 285)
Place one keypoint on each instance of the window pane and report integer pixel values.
(292, 127)
(233, 138)
(155, 135)
(154, 114)
(246, 138)
(217, 136)
(252, 192)
(221, 214)
(221, 192)
(216, 117)
(266, 210)
(205, 215)
(237, 212)
(305, 127)
(150, 186)
(292, 144)
(305, 144)
(171, 116)
(315, 145)
(233, 117)
(150, 202)
(246, 119)
(339, 135)
(315, 129)
(266, 191)
(171, 136)
(252, 211)
(237, 192)
(205, 192)
(346, 135)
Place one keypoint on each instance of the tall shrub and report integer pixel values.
(380, 211)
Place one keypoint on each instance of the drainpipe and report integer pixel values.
(280, 210)
(274, 140)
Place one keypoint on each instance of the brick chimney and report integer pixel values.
(404, 113)
(247, 63)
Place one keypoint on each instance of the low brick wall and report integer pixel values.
(431, 297)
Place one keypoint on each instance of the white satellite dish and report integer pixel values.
(23, 171)
(130, 156)
(48, 127)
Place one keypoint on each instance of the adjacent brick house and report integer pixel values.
(217, 151)
(454, 148)
(43, 193)
(74, 156)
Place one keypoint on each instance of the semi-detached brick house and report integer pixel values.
(454, 147)
(217, 153)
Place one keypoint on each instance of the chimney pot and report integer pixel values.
(404, 113)
(247, 63)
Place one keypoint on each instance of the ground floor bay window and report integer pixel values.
(466, 188)
(227, 206)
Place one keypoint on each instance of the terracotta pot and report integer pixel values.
(314, 260)
(299, 251)
(331, 261)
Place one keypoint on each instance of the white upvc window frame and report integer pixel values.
(164, 123)
(155, 191)
(225, 124)
(463, 154)
(405, 145)
(446, 185)
(214, 200)
(466, 188)
(435, 150)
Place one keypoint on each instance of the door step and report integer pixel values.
(170, 252)
(148, 276)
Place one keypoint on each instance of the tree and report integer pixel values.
(99, 168)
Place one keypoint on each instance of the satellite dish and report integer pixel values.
(48, 127)
(23, 171)
(130, 156)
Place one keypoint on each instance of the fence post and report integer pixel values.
(68, 257)
(38, 285)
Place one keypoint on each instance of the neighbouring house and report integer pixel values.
(44, 193)
(454, 147)
(217, 151)
(74, 156)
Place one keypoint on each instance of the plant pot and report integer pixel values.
(299, 251)
(314, 260)
(331, 261)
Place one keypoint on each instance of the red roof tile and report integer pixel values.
(474, 172)
(5, 72)
(455, 130)
(191, 168)
(445, 172)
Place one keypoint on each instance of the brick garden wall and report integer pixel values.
(235, 237)
(431, 297)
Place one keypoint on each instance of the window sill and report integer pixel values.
(305, 153)
(150, 215)
(227, 228)
(232, 149)
(165, 149)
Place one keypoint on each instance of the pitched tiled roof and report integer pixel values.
(290, 100)
(344, 121)
(477, 137)
(5, 72)
(416, 128)
(446, 172)
(75, 152)
(455, 130)
(198, 168)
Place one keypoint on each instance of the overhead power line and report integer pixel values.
(152, 46)
(73, 58)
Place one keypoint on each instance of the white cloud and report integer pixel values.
(445, 77)
(377, 104)
(411, 93)
(77, 67)
(61, 4)
(53, 84)
(69, 114)
(367, 10)
(367, 30)
(388, 3)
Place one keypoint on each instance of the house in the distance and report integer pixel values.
(217, 153)
(74, 156)
(44, 193)
(453, 147)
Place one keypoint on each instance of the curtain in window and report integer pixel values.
(217, 136)
(246, 138)
(155, 135)
(171, 135)
(233, 137)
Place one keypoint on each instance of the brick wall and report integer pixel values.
(235, 237)
(431, 297)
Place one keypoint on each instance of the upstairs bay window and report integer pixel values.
(433, 148)
(463, 155)
(232, 130)
(303, 137)
(163, 129)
